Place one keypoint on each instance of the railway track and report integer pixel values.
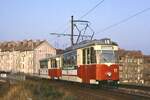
(131, 90)
(140, 92)
(110, 94)
(135, 92)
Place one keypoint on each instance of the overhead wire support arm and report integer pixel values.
(62, 34)
(93, 32)
(84, 21)
(79, 33)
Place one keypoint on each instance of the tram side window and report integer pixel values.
(58, 63)
(70, 59)
(84, 57)
(93, 55)
(67, 60)
(53, 63)
(89, 56)
(44, 64)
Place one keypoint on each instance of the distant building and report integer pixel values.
(24, 56)
(59, 51)
(146, 71)
(131, 67)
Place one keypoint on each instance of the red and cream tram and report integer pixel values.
(91, 62)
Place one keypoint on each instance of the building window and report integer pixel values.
(23, 66)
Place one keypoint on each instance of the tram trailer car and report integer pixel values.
(51, 67)
(89, 62)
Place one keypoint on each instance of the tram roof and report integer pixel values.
(104, 41)
(47, 58)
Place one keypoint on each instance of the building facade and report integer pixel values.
(133, 68)
(146, 71)
(24, 56)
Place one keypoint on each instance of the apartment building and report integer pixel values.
(131, 67)
(146, 71)
(24, 56)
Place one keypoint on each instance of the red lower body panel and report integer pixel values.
(98, 72)
(54, 72)
(86, 72)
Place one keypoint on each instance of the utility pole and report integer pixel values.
(72, 42)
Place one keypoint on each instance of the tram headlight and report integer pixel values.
(109, 74)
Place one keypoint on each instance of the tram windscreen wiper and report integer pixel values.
(105, 59)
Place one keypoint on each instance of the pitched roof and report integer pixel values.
(130, 53)
(59, 51)
(25, 45)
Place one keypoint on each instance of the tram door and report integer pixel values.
(88, 67)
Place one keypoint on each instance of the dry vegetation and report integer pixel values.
(34, 90)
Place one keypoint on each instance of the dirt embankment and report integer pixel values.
(42, 89)
(33, 90)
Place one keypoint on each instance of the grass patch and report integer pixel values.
(41, 90)
(32, 90)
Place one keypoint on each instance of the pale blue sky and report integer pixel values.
(35, 19)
